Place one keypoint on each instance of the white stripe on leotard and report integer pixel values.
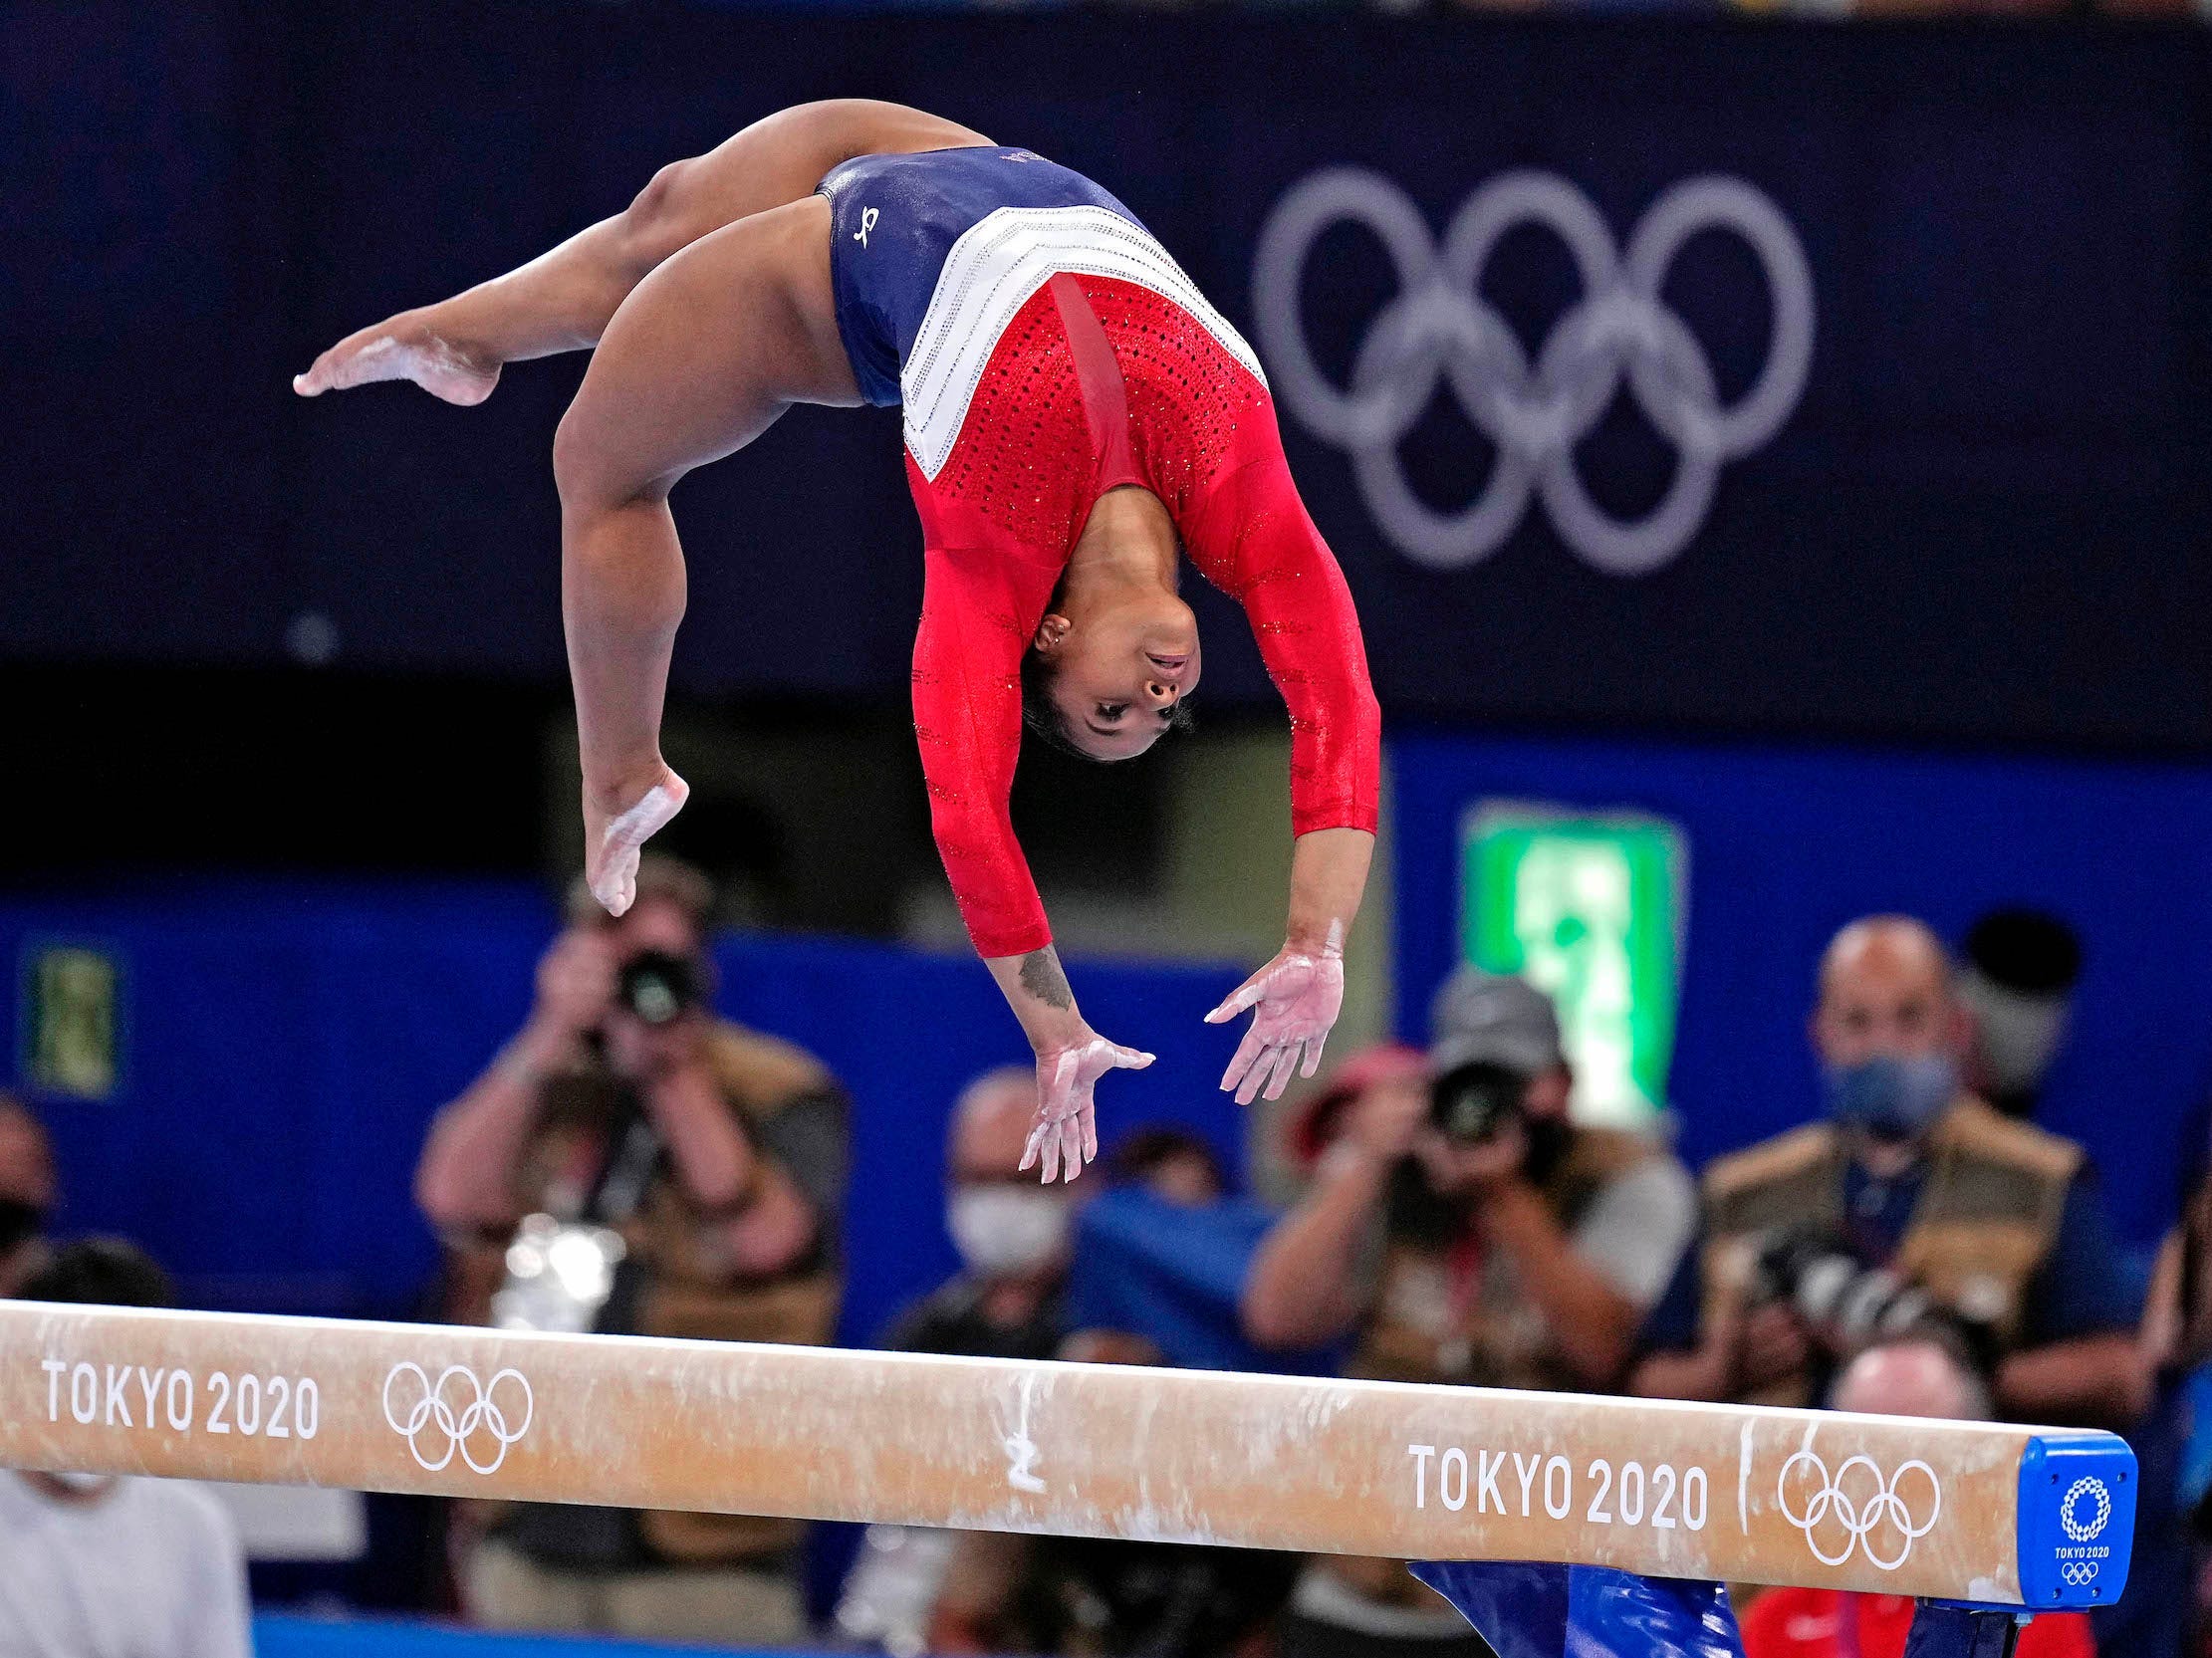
(992, 270)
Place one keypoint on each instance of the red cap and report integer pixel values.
(1309, 1134)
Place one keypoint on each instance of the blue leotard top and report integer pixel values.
(893, 220)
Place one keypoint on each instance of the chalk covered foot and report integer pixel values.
(613, 842)
(404, 347)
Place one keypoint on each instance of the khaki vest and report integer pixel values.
(1992, 1193)
(1415, 1334)
(690, 1290)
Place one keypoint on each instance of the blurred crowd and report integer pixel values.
(631, 1162)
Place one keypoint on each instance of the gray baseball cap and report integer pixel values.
(1483, 1017)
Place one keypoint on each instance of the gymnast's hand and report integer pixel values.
(1067, 1134)
(613, 832)
(1296, 999)
(409, 347)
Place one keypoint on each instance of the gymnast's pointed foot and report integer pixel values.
(408, 346)
(612, 836)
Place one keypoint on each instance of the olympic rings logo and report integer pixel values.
(1439, 329)
(2075, 1530)
(456, 1412)
(2079, 1573)
(1876, 1506)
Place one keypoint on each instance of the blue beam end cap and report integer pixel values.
(2076, 1520)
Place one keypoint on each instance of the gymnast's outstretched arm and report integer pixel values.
(977, 607)
(562, 301)
(1251, 535)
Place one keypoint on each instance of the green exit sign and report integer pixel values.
(70, 1020)
(1590, 908)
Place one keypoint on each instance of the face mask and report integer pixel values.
(1889, 1098)
(1000, 1230)
(20, 1221)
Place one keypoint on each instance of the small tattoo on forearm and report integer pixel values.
(1043, 979)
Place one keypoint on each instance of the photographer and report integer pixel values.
(1461, 1229)
(1464, 1227)
(630, 1163)
(1914, 1203)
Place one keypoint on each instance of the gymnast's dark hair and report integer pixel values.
(1043, 715)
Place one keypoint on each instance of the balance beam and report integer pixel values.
(2000, 1514)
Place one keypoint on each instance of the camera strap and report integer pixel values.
(620, 1190)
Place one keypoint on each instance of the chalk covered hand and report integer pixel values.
(1066, 1136)
(1295, 1000)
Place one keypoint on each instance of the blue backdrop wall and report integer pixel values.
(1787, 846)
(285, 1046)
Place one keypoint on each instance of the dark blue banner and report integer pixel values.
(1640, 371)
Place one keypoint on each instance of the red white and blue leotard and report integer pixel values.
(1046, 350)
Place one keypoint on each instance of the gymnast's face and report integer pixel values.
(1121, 671)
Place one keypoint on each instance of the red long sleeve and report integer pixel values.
(1250, 534)
(979, 608)
(1097, 383)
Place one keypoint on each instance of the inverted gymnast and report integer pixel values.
(1075, 409)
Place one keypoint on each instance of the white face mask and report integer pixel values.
(1000, 1230)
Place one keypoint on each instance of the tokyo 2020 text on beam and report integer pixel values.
(1963, 1511)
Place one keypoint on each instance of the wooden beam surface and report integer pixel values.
(1369, 1468)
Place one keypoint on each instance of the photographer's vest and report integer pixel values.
(1992, 1192)
(1459, 1315)
(686, 1287)
(1446, 1315)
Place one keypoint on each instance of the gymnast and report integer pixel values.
(1074, 414)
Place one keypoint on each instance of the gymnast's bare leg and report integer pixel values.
(562, 301)
(710, 296)
(698, 362)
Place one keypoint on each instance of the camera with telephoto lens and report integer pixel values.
(1471, 1102)
(659, 987)
(1854, 1306)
